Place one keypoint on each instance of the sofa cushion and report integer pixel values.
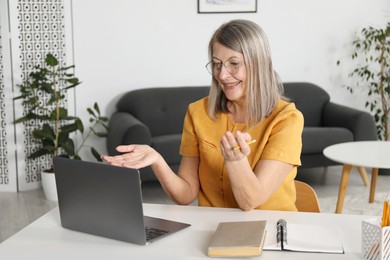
(316, 139)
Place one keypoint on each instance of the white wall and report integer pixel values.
(125, 45)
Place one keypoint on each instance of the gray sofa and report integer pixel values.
(155, 116)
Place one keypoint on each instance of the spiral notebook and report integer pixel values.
(302, 238)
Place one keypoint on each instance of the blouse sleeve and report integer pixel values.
(285, 140)
(189, 141)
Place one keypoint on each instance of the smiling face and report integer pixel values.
(251, 89)
(229, 71)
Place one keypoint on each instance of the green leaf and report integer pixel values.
(90, 111)
(96, 107)
(67, 129)
(47, 87)
(49, 146)
(20, 120)
(62, 138)
(73, 85)
(101, 134)
(45, 133)
(73, 80)
(18, 97)
(38, 153)
(63, 112)
(66, 68)
(96, 154)
(51, 60)
(80, 125)
(69, 147)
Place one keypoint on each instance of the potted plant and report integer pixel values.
(371, 53)
(56, 132)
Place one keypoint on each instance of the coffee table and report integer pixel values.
(372, 154)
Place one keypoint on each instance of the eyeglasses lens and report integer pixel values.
(214, 68)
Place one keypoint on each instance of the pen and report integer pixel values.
(250, 142)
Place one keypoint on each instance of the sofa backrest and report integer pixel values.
(309, 99)
(161, 109)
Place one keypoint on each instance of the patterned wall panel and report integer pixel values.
(41, 27)
(4, 173)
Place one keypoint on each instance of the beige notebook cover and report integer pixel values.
(244, 238)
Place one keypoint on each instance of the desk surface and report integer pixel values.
(46, 239)
(373, 154)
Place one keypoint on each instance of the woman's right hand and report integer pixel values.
(134, 156)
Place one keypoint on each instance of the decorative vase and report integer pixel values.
(49, 185)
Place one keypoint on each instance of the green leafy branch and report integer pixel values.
(372, 46)
(56, 126)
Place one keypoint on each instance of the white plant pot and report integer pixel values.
(49, 185)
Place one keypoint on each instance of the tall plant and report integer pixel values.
(372, 48)
(57, 128)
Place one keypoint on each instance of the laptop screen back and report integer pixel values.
(100, 199)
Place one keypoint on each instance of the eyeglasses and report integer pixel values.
(214, 68)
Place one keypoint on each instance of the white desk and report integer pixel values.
(45, 239)
(373, 154)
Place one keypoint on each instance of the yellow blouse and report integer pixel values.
(278, 137)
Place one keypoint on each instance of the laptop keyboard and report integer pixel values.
(152, 233)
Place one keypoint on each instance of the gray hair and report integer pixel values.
(263, 86)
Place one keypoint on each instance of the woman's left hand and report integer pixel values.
(235, 147)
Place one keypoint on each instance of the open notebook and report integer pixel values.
(302, 238)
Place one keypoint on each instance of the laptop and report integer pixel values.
(106, 200)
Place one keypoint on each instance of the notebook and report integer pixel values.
(302, 238)
(238, 239)
(106, 200)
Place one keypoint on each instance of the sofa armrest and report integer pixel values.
(360, 123)
(126, 129)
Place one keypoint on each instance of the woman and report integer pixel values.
(221, 164)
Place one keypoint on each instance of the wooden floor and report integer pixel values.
(17, 210)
